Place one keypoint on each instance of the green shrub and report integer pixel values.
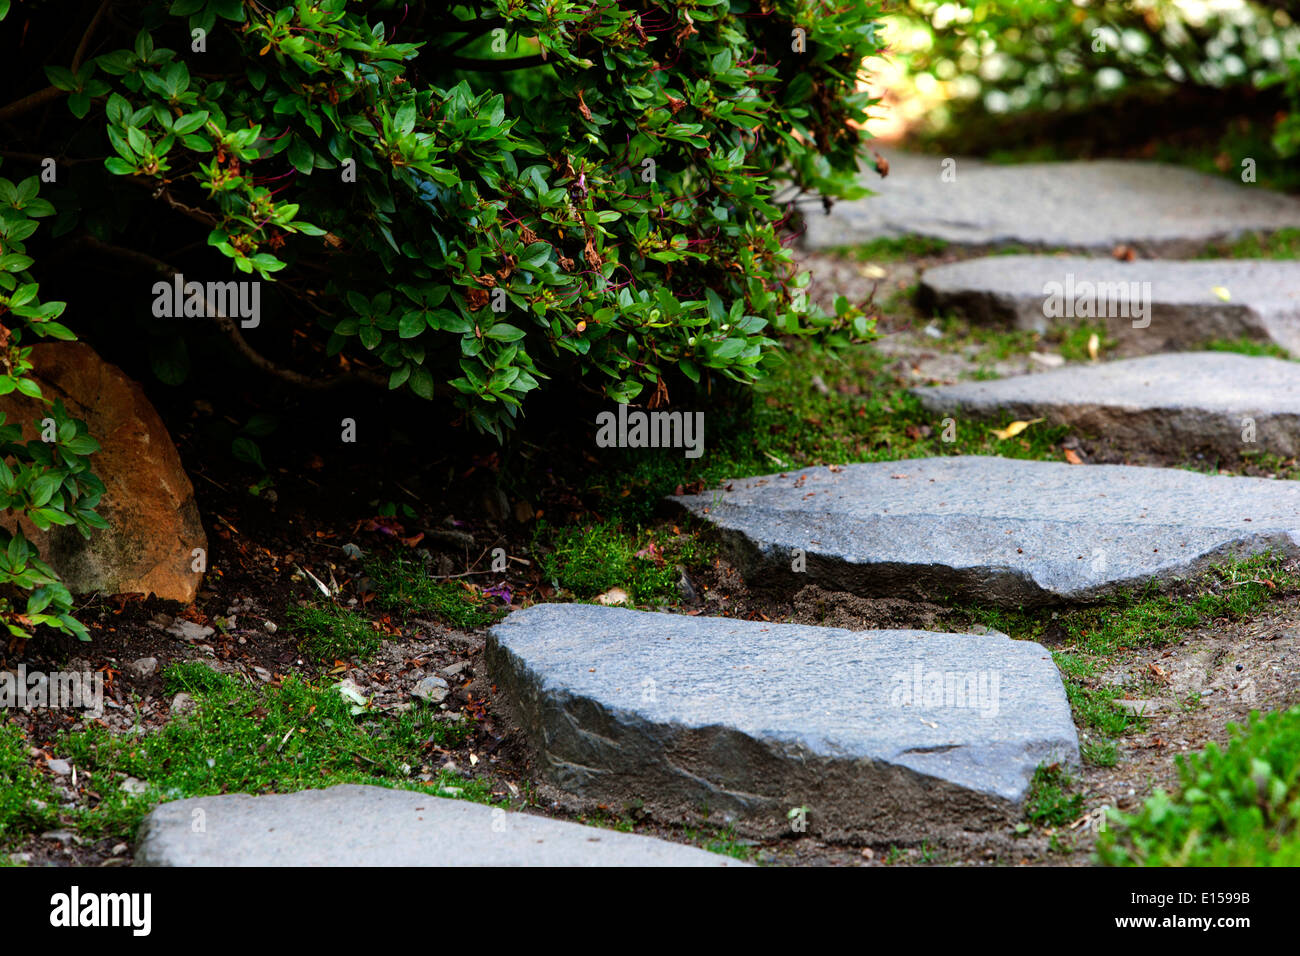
(474, 196)
(48, 482)
(1236, 806)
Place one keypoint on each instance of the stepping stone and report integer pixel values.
(876, 735)
(354, 825)
(1173, 403)
(1186, 300)
(995, 530)
(1092, 205)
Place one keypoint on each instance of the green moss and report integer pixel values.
(1248, 347)
(1052, 800)
(329, 632)
(1282, 244)
(588, 560)
(898, 249)
(404, 587)
(27, 799)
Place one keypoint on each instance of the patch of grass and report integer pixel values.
(405, 587)
(893, 249)
(1283, 244)
(588, 560)
(988, 343)
(1095, 707)
(1052, 799)
(1145, 617)
(1016, 249)
(1236, 806)
(723, 841)
(1248, 347)
(27, 799)
(608, 820)
(242, 739)
(331, 633)
(1099, 753)
(1074, 341)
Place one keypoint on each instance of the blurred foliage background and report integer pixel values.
(1200, 81)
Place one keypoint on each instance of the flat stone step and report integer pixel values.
(877, 735)
(996, 530)
(1085, 205)
(354, 825)
(1190, 303)
(1174, 403)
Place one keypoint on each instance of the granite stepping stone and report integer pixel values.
(1090, 205)
(354, 825)
(1173, 403)
(1186, 305)
(995, 530)
(875, 735)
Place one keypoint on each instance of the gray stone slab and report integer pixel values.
(1084, 205)
(373, 826)
(1187, 308)
(994, 530)
(878, 735)
(1175, 403)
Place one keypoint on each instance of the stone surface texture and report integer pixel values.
(1188, 308)
(877, 735)
(1084, 205)
(354, 825)
(1172, 403)
(996, 530)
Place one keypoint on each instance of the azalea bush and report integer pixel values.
(466, 199)
(45, 480)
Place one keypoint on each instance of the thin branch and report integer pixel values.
(41, 97)
(29, 102)
(38, 158)
(159, 191)
(231, 328)
(85, 37)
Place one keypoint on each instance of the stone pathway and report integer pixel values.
(1190, 303)
(994, 530)
(884, 736)
(879, 735)
(1171, 404)
(1092, 205)
(374, 826)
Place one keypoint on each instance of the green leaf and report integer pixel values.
(504, 332)
(246, 450)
